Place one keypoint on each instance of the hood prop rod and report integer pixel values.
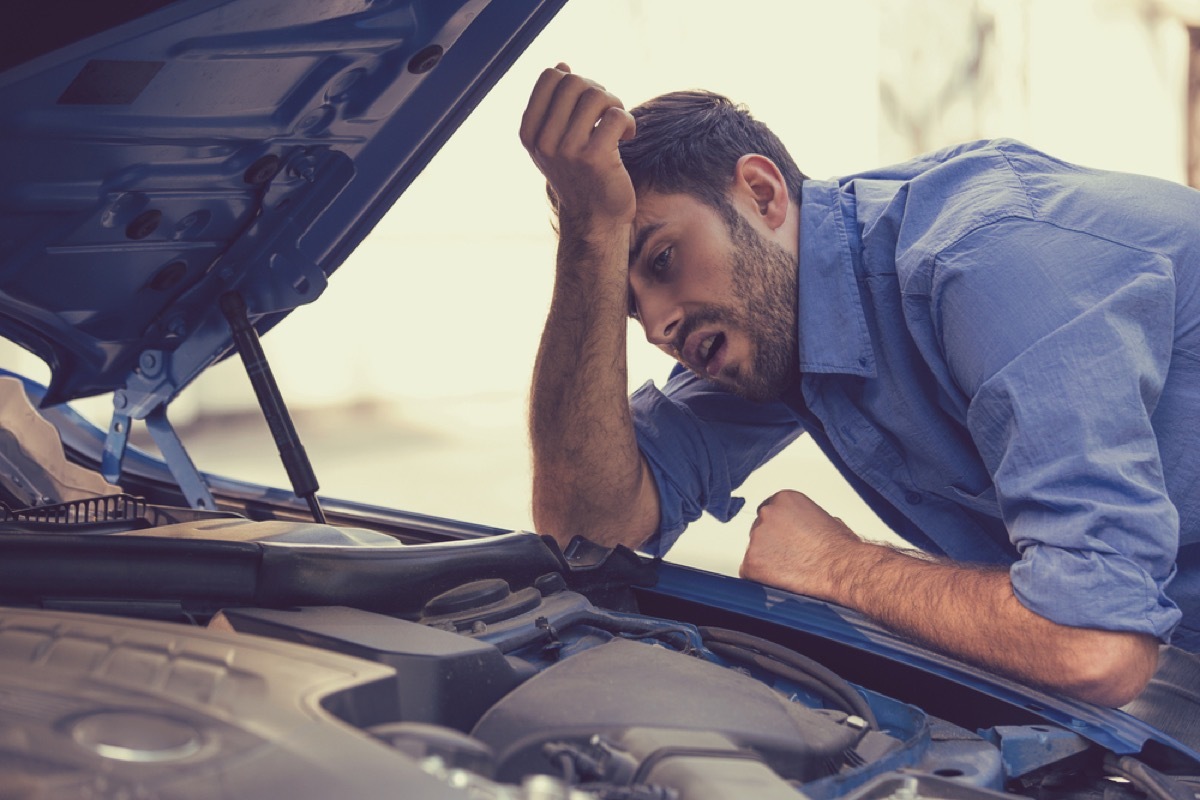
(270, 400)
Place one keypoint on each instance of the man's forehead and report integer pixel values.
(656, 210)
(655, 207)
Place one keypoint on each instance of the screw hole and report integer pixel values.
(261, 170)
(144, 224)
(425, 60)
(168, 276)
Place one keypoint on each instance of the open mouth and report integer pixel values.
(708, 355)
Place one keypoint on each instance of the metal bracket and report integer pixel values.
(190, 481)
(1025, 748)
(116, 441)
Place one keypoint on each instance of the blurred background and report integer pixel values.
(409, 379)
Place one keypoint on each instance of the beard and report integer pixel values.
(764, 288)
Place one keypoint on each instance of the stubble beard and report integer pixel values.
(764, 284)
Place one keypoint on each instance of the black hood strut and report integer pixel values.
(270, 400)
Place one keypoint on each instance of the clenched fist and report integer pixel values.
(796, 545)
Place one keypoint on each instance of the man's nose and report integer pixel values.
(660, 319)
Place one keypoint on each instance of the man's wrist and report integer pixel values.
(596, 230)
(594, 259)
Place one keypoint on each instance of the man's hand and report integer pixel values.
(571, 128)
(794, 544)
(961, 609)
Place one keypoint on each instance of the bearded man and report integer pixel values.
(999, 350)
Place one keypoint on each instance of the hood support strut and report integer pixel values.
(270, 400)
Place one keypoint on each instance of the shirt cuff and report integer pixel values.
(673, 442)
(1089, 589)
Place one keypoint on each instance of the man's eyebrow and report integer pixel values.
(639, 241)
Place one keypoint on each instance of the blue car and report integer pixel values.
(176, 177)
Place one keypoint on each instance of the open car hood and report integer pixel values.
(158, 155)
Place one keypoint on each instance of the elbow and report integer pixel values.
(1109, 668)
(563, 516)
(551, 517)
(625, 514)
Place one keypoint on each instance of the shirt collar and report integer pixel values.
(832, 328)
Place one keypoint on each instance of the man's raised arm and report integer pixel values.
(588, 476)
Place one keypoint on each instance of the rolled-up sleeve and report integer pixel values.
(1060, 341)
(701, 443)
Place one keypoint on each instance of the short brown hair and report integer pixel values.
(691, 141)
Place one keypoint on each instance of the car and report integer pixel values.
(177, 177)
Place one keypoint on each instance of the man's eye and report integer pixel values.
(661, 262)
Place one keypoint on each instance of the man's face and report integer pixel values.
(712, 292)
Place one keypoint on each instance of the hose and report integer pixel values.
(790, 665)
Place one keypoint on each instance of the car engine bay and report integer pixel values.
(151, 651)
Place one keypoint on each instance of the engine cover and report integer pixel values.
(622, 685)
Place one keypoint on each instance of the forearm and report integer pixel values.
(970, 612)
(588, 476)
(973, 613)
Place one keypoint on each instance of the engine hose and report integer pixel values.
(769, 656)
(1154, 784)
(731, 652)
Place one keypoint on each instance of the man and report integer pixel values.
(1000, 351)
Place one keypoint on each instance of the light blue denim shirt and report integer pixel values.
(1001, 352)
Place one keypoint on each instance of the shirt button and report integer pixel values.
(912, 498)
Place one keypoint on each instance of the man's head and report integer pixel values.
(713, 252)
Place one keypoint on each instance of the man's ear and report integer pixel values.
(756, 179)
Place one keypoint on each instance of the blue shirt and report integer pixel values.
(1001, 352)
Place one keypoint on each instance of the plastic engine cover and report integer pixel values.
(623, 684)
